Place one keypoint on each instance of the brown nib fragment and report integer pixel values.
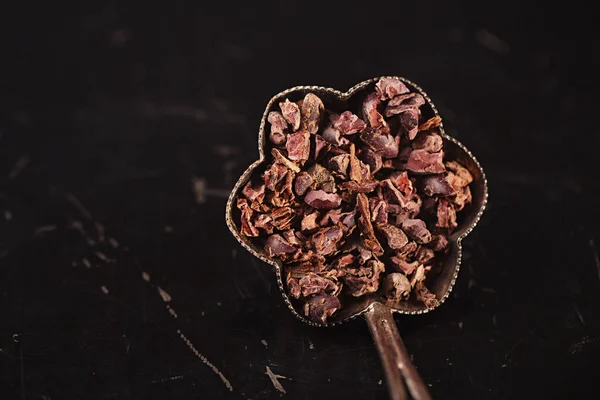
(396, 287)
(417, 230)
(339, 164)
(364, 224)
(278, 128)
(254, 191)
(396, 238)
(276, 245)
(321, 306)
(363, 187)
(302, 183)
(248, 228)
(409, 121)
(309, 222)
(401, 265)
(423, 294)
(347, 123)
(432, 142)
(438, 243)
(436, 184)
(325, 241)
(431, 123)
(462, 176)
(446, 216)
(280, 158)
(291, 113)
(322, 178)
(371, 114)
(363, 280)
(293, 286)
(388, 88)
(382, 143)
(298, 146)
(322, 200)
(424, 162)
(312, 283)
(403, 103)
(310, 112)
(372, 159)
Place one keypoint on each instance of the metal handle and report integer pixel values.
(400, 373)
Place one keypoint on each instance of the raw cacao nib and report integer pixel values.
(310, 113)
(388, 88)
(291, 113)
(423, 162)
(321, 306)
(355, 202)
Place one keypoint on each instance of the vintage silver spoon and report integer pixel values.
(401, 376)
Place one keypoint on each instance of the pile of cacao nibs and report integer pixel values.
(357, 202)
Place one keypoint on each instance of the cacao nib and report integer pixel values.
(347, 123)
(310, 113)
(438, 243)
(417, 230)
(298, 146)
(291, 113)
(355, 187)
(404, 102)
(396, 287)
(348, 199)
(436, 185)
(276, 245)
(446, 215)
(431, 123)
(401, 265)
(278, 128)
(382, 143)
(363, 280)
(322, 200)
(372, 159)
(254, 191)
(424, 162)
(396, 239)
(312, 283)
(321, 306)
(388, 88)
(371, 114)
(302, 183)
(409, 121)
(432, 142)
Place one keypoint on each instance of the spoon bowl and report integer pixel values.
(376, 310)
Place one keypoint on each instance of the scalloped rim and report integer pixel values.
(343, 96)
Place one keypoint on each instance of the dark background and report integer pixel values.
(124, 125)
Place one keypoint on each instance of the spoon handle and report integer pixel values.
(399, 370)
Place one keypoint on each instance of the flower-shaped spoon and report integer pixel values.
(400, 372)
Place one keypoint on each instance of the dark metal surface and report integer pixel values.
(123, 126)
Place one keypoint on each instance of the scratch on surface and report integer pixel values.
(205, 360)
(491, 41)
(8, 215)
(104, 289)
(519, 342)
(275, 379)
(113, 242)
(311, 345)
(264, 342)
(78, 226)
(43, 229)
(101, 256)
(99, 231)
(146, 276)
(19, 167)
(577, 347)
(596, 258)
(579, 314)
(170, 378)
(166, 297)
(77, 204)
(86, 262)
